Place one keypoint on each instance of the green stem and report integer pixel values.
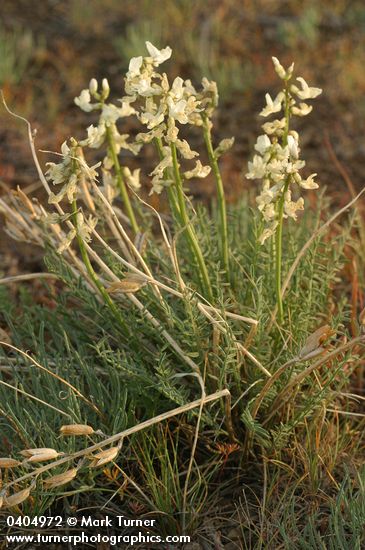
(279, 230)
(120, 181)
(279, 253)
(93, 275)
(184, 219)
(220, 195)
(174, 205)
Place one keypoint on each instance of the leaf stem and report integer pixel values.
(93, 276)
(279, 230)
(120, 181)
(279, 254)
(170, 190)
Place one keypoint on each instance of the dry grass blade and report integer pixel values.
(22, 392)
(117, 437)
(39, 366)
(280, 400)
(27, 277)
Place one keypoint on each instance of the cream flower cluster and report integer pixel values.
(158, 105)
(277, 161)
(162, 107)
(68, 172)
(92, 100)
(83, 228)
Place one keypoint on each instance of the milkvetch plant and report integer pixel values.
(143, 311)
(161, 108)
(277, 162)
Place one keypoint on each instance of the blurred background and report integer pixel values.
(49, 50)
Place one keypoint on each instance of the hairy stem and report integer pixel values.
(220, 195)
(184, 220)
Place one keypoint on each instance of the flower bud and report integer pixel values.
(93, 86)
(106, 88)
(279, 69)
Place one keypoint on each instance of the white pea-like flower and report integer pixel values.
(105, 87)
(309, 183)
(275, 127)
(291, 207)
(273, 106)
(284, 74)
(68, 172)
(199, 171)
(84, 101)
(177, 110)
(303, 110)
(184, 149)
(66, 241)
(279, 69)
(269, 231)
(223, 146)
(132, 178)
(158, 56)
(263, 143)
(256, 168)
(85, 226)
(293, 147)
(134, 68)
(307, 92)
(95, 136)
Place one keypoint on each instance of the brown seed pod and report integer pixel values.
(49, 454)
(17, 498)
(131, 284)
(103, 457)
(8, 463)
(29, 453)
(60, 479)
(316, 341)
(76, 429)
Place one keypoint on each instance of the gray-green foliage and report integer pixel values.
(129, 378)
